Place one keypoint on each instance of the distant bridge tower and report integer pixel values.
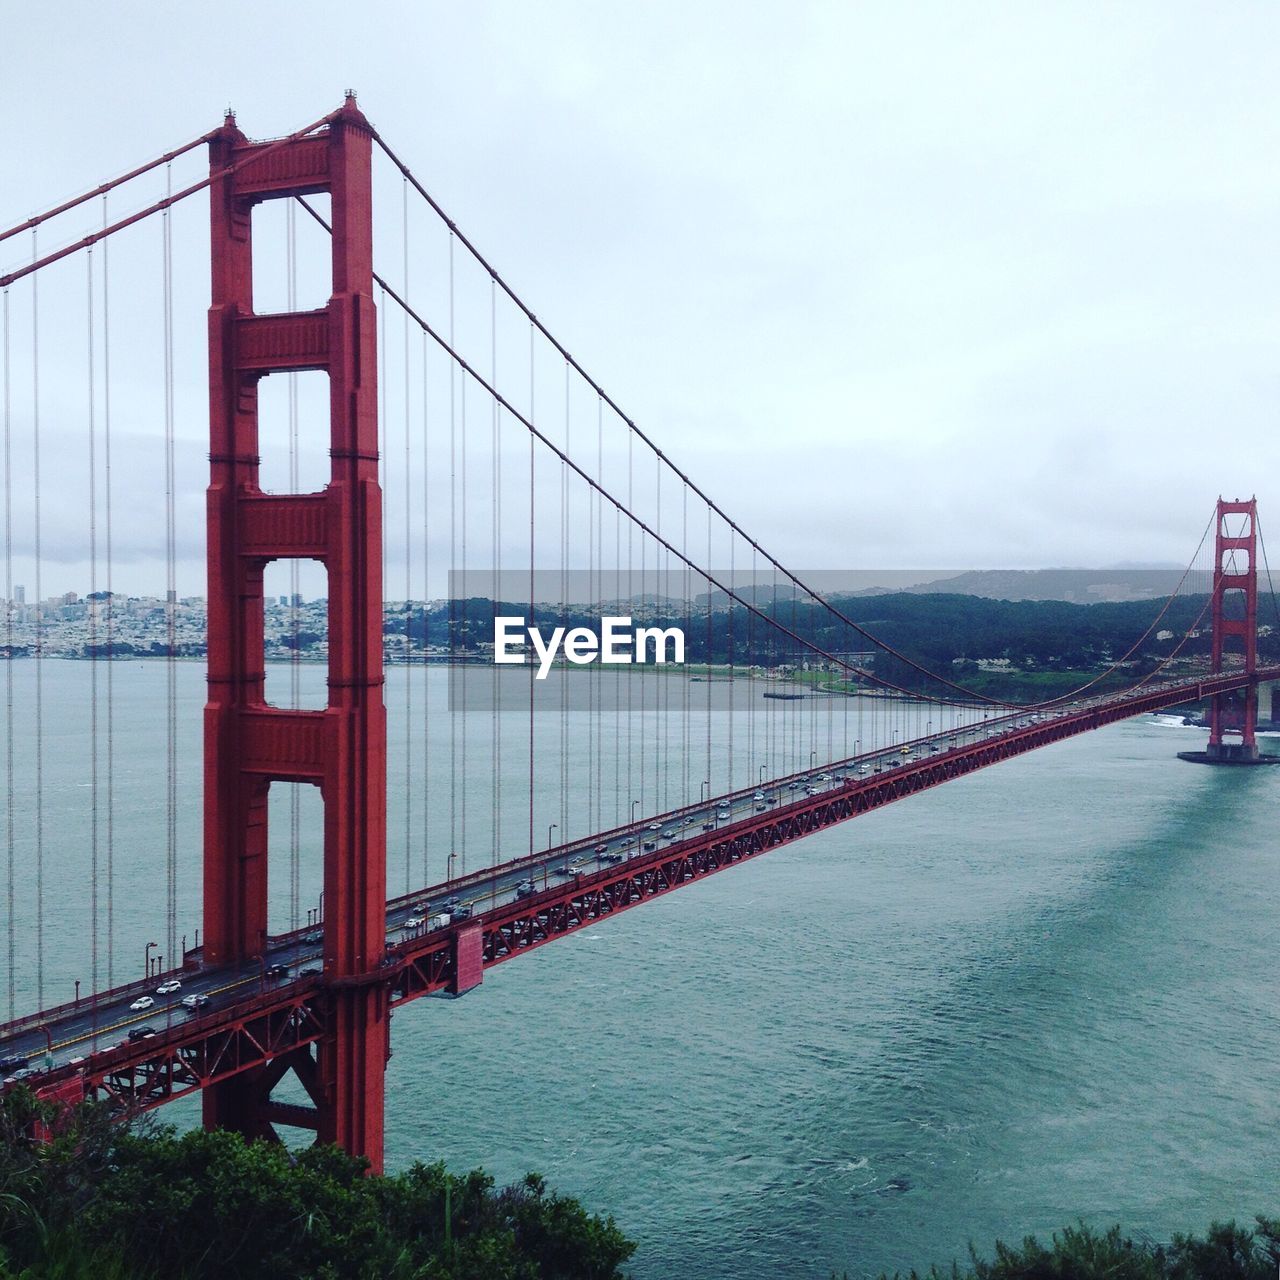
(1235, 619)
(247, 743)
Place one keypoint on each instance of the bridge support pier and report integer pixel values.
(248, 743)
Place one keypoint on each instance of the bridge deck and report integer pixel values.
(252, 1019)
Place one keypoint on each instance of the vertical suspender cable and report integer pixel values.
(8, 654)
(171, 588)
(564, 604)
(661, 686)
(687, 593)
(426, 596)
(295, 583)
(39, 628)
(598, 596)
(497, 569)
(454, 632)
(110, 602)
(93, 636)
(532, 530)
(592, 773)
(466, 592)
(631, 683)
(408, 574)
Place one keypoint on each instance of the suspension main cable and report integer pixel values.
(648, 441)
(470, 371)
(170, 199)
(640, 524)
(103, 188)
(969, 696)
(631, 425)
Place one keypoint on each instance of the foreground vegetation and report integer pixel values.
(102, 1203)
(1226, 1252)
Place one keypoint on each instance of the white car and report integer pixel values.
(655, 826)
(415, 922)
(168, 988)
(196, 1001)
(142, 1002)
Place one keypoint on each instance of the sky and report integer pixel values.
(900, 284)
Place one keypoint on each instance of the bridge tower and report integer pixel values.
(248, 744)
(1235, 618)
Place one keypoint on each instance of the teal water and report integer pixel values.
(1041, 993)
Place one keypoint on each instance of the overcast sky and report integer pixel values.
(952, 284)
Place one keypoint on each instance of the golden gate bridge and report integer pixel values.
(503, 458)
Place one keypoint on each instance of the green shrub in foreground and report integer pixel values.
(102, 1202)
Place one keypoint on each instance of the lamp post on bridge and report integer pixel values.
(704, 792)
(146, 959)
(550, 829)
(633, 809)
(760, 777)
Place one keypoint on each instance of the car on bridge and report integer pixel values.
(14, 1062)
(415, 922)
(142, 1002)
(168, 988)
(525, 888)
(462, 912)
(277, 971)
(142, 1033)
(195, 1001)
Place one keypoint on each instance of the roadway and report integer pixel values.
(78, 1030)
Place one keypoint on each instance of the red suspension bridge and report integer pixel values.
(461, 433)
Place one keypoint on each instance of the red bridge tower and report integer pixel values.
(247, 743)
(1235, 619)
